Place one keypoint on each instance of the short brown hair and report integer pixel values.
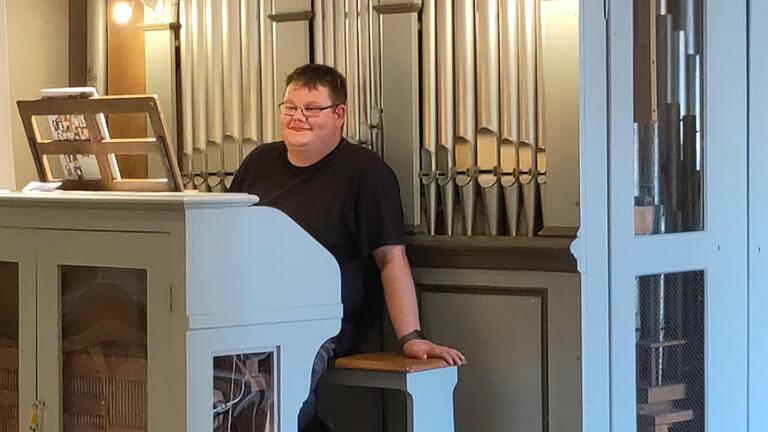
(311, 76)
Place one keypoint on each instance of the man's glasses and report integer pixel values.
(308, 111)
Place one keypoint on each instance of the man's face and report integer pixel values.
(320, 129)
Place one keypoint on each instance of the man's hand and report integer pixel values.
(424, 349)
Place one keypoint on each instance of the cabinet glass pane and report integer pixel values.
(244, 392)
(669, 317)
(9, 346)
(668, 116)
(104, 343)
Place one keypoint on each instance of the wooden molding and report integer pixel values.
(492, 253)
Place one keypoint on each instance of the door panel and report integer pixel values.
(758, 214)
(105, 329)
(17, 323)
(677, 166)
(9, 346)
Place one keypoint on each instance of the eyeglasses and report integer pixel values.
(290, 109)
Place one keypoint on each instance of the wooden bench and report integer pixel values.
(428, 385)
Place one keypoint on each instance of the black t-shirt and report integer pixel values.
(349, 201)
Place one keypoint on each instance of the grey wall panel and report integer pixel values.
(291, 51)
(501, 335)
(400, 81)
(560, 111)
(470, 321)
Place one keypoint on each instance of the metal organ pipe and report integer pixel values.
(428, 172)
(251, 64)
(510, 132)
(466, 144)
(364, 49)
(445, 79)
(353, 72)
(187, 116)
(528, 113)
(318, 31)
(233, 85)
(199, 91)
(488, 150)
(339, 35)
(269, 105)
(329, 40)
(377, 98)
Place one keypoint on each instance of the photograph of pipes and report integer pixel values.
(582, 181)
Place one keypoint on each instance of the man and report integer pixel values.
(348, 199)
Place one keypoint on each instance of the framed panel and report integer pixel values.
(758, 214)
(591, 246)
(400, 70)
(18, 314)
(715, 249)
(514, 354)
(9, 346)
(110, 342)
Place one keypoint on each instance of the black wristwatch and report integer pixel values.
(414, 335)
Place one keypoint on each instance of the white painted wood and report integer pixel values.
(758, 214)
(24, 257)
(719, 250)
(258, 281)
(165, 343)
(431, 393)
(591, 246)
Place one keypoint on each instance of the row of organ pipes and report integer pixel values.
(483, 163)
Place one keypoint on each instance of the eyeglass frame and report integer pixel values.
(302, 108)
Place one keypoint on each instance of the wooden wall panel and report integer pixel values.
(126, 74)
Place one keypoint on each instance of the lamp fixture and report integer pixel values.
(122, 11)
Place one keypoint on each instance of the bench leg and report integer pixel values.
(430, 400)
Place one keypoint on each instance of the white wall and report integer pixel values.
(38, 51)
(7, 173)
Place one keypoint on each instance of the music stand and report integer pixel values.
(98, 146)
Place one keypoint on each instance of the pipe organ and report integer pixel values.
(466, 78)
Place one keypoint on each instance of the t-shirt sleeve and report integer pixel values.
(378, 210)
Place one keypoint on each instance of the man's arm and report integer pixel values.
(400, 295)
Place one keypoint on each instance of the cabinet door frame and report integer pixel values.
(758, 214)
(591, 246)
(15, 248)
(719, 249)
(146, 251)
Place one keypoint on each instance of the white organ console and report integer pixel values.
(157, 312)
